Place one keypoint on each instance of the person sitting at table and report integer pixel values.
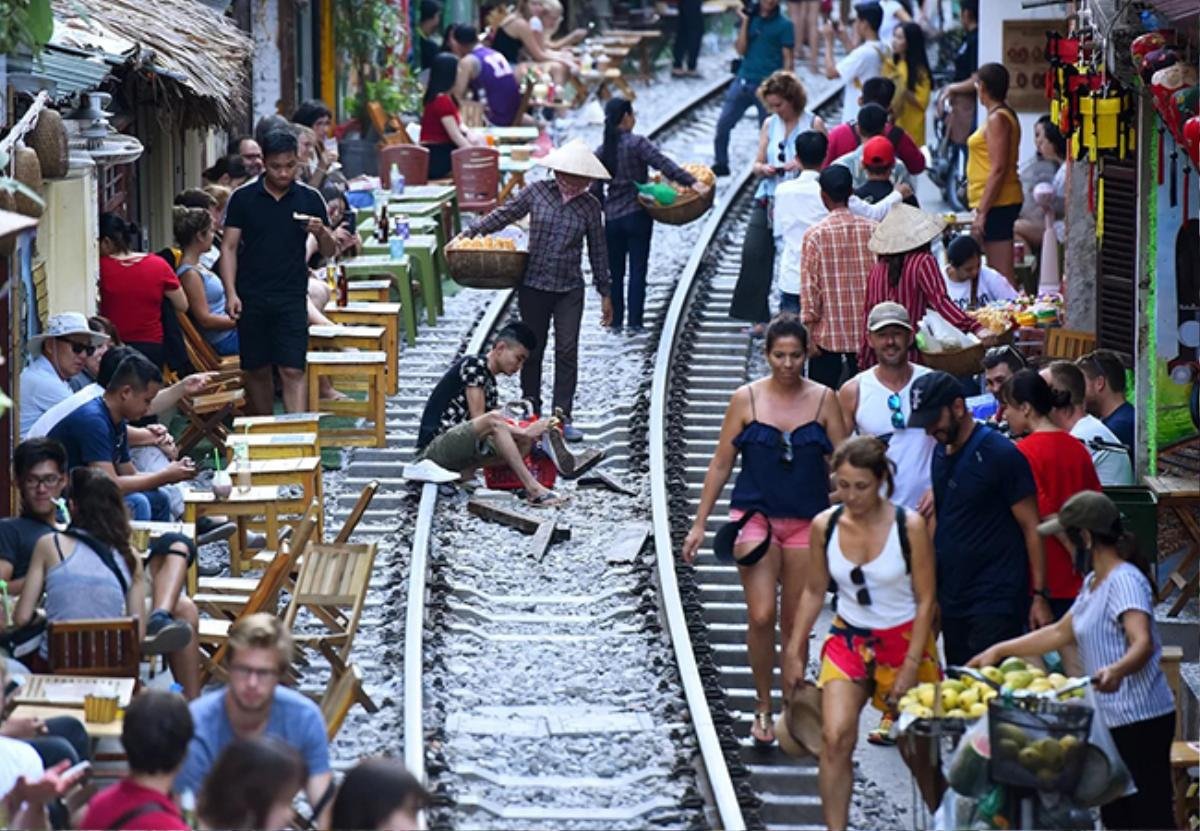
(441, 125)
(551, 15)
(345, 233)
(205, 293)
(56, 356)
(91, 365)
(519, 32)
(91, 572)
(155, 732)
(485, 72)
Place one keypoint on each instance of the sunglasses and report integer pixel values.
(894, 402)
(782, 157)
(997, 353)
(785, 444)
(82, 348)
(863, 596)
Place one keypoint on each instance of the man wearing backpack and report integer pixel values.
(872, 123)
(845, 137)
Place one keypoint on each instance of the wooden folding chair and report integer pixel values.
(345, 688)
(332, 587)
(1068, 344)
(208, 412)
(390, 129)
(226, 596)
(111, 647)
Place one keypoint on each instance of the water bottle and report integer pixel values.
(397, 180)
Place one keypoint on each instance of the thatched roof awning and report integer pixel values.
(198, 57)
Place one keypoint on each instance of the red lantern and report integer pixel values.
(1191, 137)
(1143, 45)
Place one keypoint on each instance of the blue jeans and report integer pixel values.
(740, 96)
(629, 235)
(149, 505)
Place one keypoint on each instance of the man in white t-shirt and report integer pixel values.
(1113, 465)
(864, 61)
(969, 283)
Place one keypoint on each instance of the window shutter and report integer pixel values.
(1116, 282)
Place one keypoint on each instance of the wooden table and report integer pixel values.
(397, 270)
(511, 135)
(386, 315)
(371, 291)
(515, 172)
(150, 531)
(345, 337)
(95, 731)
(281, 423)
(304, 471)
(276, 445)
(242, 507)
(1180, 495)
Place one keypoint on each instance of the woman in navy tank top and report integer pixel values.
(785, 427)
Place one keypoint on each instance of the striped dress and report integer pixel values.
(1096, 618)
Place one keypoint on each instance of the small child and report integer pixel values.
(969, 283)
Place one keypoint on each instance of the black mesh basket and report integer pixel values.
(1038, 744)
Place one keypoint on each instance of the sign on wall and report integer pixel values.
(1024, 55)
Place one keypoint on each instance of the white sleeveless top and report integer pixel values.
(886, 578)
(909, 449)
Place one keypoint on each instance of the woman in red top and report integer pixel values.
(1062, 467)
(908, 274)
(441, 125)
(133, 286)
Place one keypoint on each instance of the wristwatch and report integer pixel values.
(1042, 593)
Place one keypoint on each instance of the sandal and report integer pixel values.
(549, 499)
(882, 734)
(765, 735)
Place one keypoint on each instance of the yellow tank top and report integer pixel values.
(979, 164)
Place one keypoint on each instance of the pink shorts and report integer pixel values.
(786, 532)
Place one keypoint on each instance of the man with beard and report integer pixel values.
(985, 540)
(253, 704)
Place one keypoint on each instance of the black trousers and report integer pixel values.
(565, 309)
(689, 32)
(965, 637)
(833, 368)
(1145, 747)
(751, 295)
(629, 237)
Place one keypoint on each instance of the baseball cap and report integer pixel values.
(929, 394)
(1087, 509)
(887, 314)
(878, 152)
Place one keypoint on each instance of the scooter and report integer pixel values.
(947, 160)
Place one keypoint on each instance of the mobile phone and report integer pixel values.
(80, 769)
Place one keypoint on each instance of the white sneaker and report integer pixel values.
(427, 471)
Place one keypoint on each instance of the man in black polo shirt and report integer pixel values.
(267, 223)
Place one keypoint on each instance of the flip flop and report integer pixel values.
(762, 721)
(549, 499)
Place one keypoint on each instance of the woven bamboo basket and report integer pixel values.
(689, 207)
(963, 362)
(49, 140)
(486, 269)
(28, 171)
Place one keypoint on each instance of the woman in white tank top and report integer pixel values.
(881, 641)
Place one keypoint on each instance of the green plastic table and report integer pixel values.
(397, 270)
(422, 249)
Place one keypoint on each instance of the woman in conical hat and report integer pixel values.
(562, 215)
(908, 274)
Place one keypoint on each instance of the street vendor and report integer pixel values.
(562, 214)
(881, 641)
(1112, 622)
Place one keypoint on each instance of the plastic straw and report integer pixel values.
(216, 458)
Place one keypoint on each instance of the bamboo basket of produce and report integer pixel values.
(687, 205)
(486, 262)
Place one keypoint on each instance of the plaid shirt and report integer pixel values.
(634, 155)
(556, 234)
(834, 264)
(921, 287)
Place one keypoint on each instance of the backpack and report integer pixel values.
(901, 531)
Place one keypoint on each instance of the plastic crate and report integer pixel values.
(501, 478)
(1038, 744)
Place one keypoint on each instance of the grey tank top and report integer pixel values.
(82, 587)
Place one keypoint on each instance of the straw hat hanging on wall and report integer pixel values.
(577, 158)
(28, 171)
(48, 139)
(903, 229)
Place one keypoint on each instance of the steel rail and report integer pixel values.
(419, 564)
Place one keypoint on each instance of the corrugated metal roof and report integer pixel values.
(1177, 10)
(70, 70)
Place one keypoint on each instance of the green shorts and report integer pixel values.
(460, 449)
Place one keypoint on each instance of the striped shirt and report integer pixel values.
(1096, 619)
(556, 235)
(921, 287)
(834, 264)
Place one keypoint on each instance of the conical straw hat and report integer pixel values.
(575, 157)
(903, 229)
(798, 728)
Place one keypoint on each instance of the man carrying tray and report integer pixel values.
(462, 428)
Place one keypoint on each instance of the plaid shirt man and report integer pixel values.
(556, 235)
(634, 154)
(834, 264)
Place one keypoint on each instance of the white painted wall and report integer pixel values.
(992, 14)
(67, 240)
(265, 65)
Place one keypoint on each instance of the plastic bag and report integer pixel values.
(940, 336)
(1105, 776)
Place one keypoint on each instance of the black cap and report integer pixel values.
(929, 394)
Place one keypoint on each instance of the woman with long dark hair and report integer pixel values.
(914, 80)
(784, 427)
(1111, 623)
(1062, 467)
(252, 785)
(907, 273)
(379, 793)
(441, 123)
(628, 227)
(133, 286)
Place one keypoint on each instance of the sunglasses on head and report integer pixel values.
(997, 353)
(895, 403)
(858, 578)
(82, 348)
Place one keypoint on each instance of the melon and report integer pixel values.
(968, 773)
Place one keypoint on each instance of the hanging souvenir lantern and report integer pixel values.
(1191, 137)
(1156, 61)
(1163, 87)
(1143, 45)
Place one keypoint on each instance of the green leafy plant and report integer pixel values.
(25, 25)
(372, 38)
